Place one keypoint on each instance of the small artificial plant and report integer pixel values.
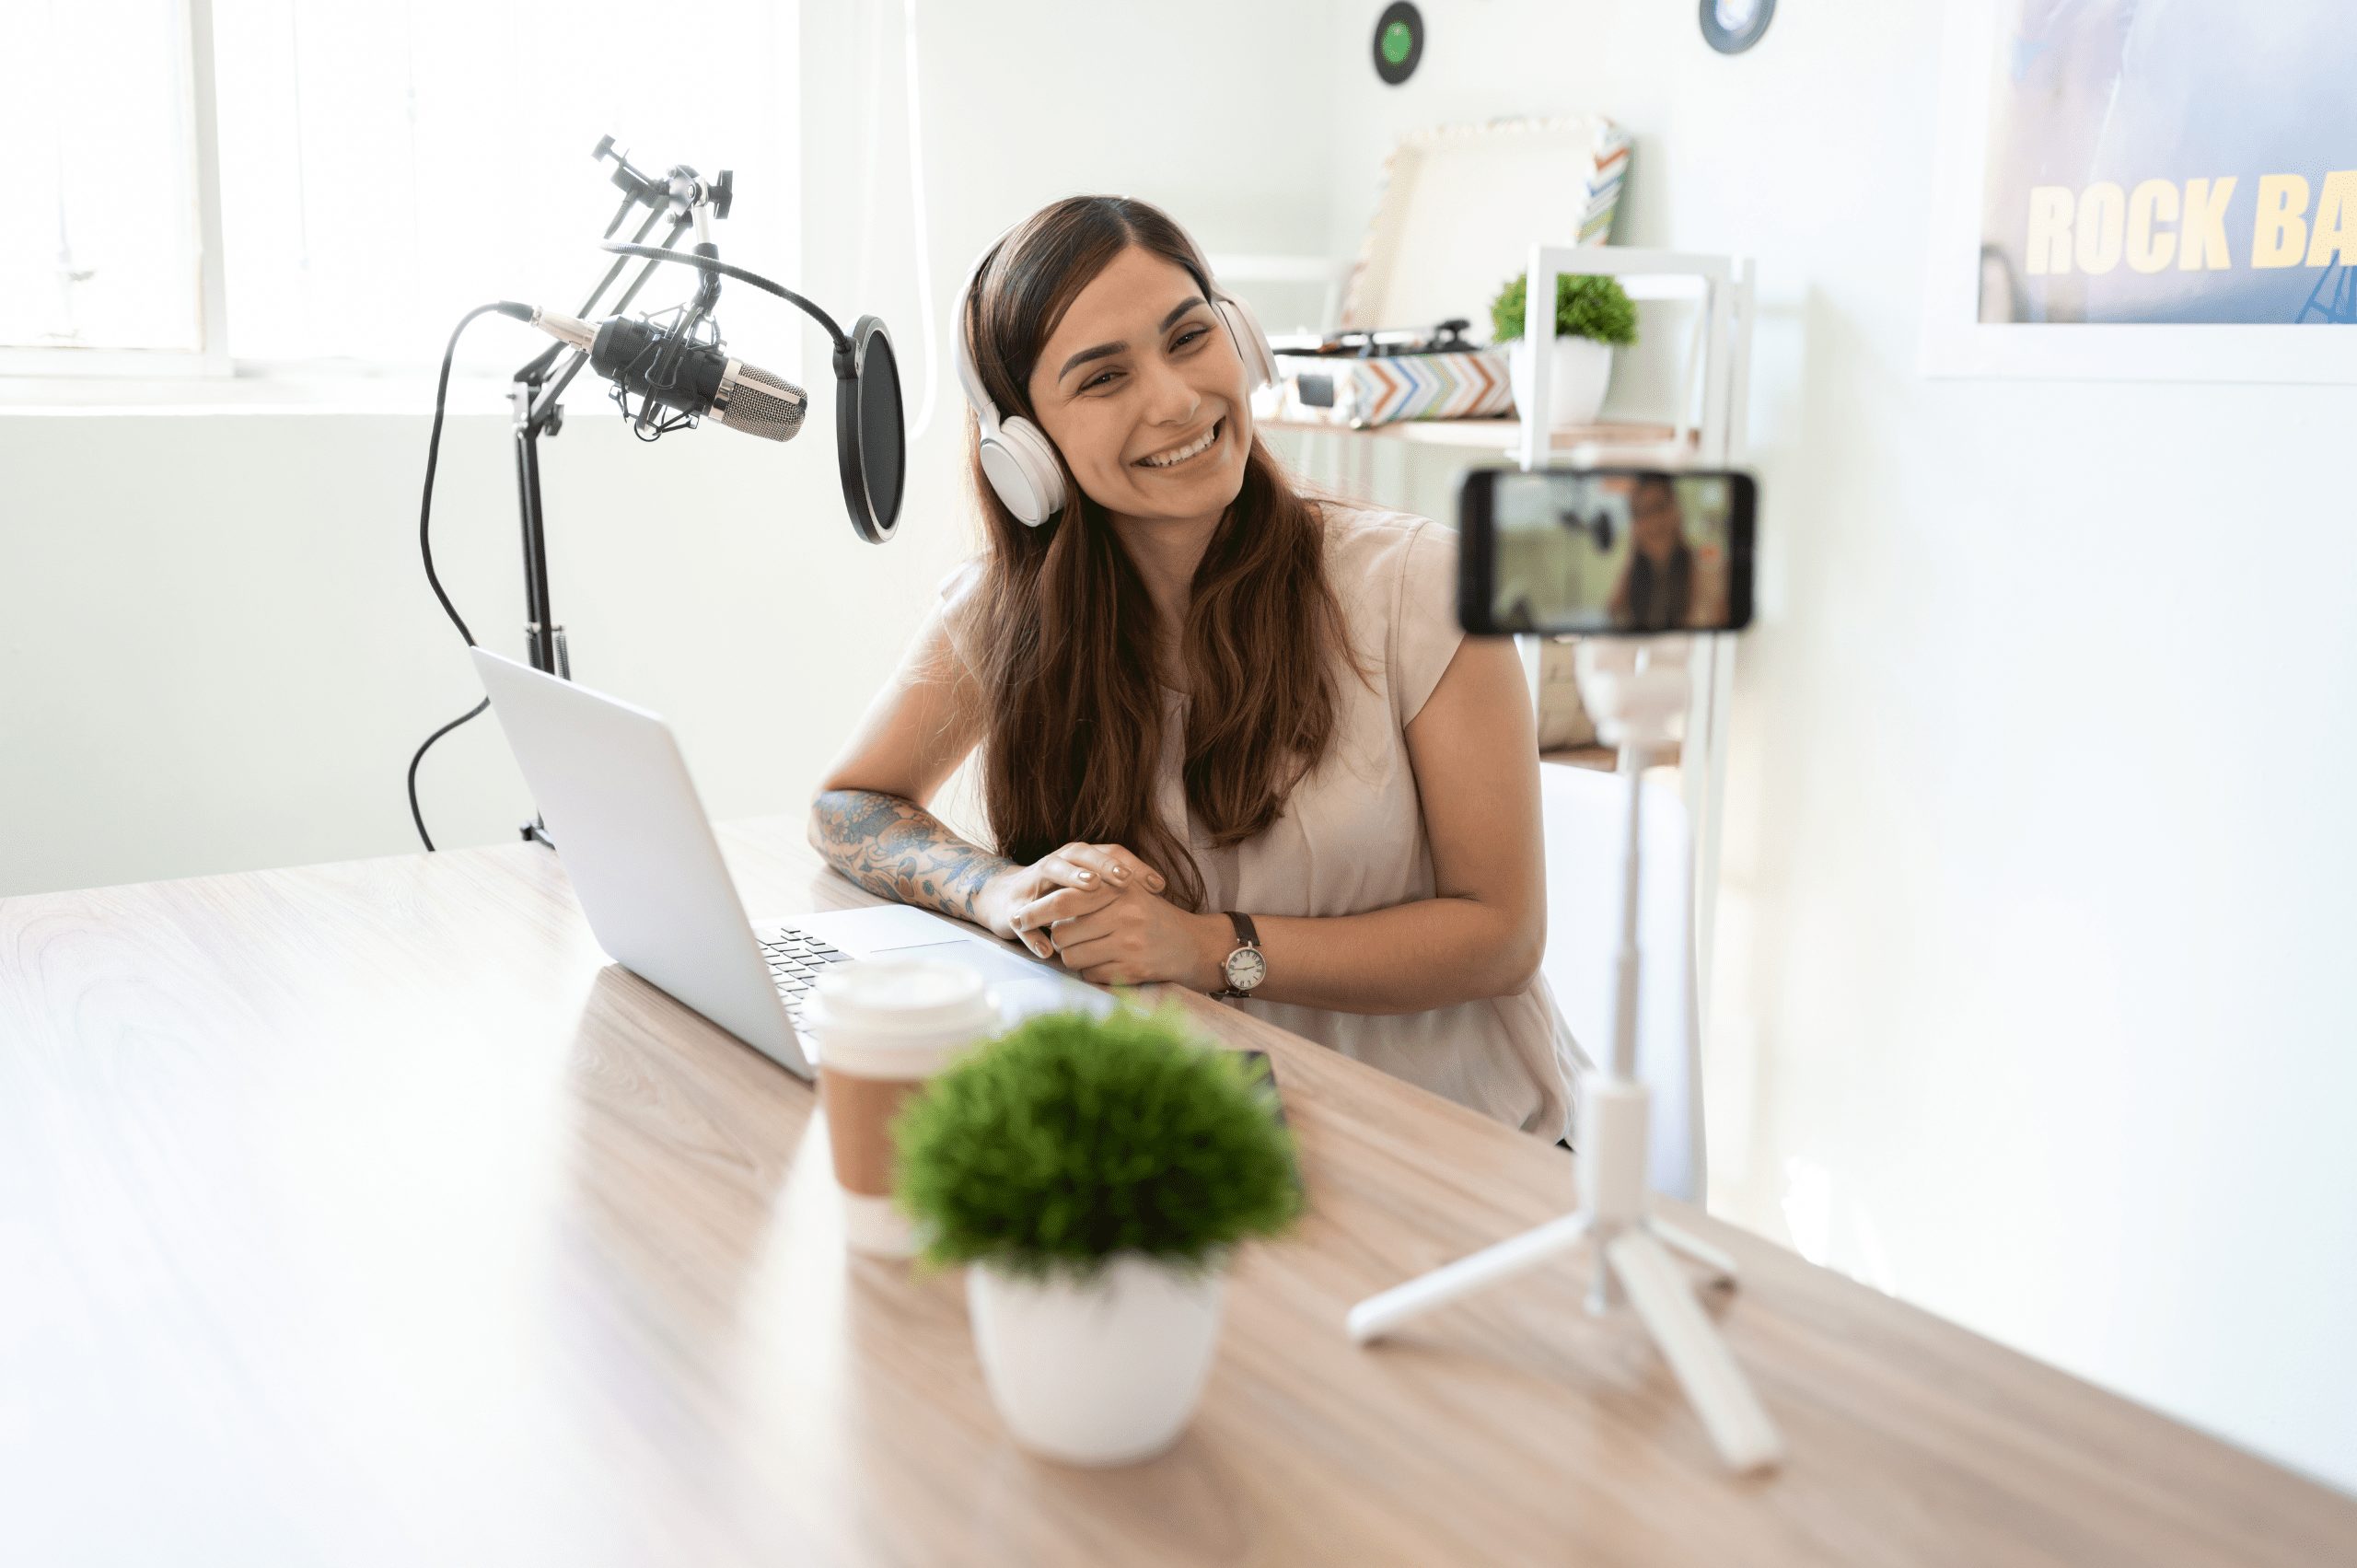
(1586, 306)
(1072, 1139)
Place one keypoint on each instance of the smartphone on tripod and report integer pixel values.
(1601, 550)
(1631, 560)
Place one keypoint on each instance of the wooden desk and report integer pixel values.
(361, 1213)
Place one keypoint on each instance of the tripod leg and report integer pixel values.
(1722, 1267)
(1378, 1314)
(1603, 1296)
(1714, 1384)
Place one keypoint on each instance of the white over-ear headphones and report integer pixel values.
(1016, 454)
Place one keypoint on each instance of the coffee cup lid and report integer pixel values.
(909, 997)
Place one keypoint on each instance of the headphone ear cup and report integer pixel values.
(1021, 462)
(1018, 461)
(1006, 476)
(1251, 342)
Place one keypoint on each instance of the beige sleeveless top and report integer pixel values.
(1351, 838)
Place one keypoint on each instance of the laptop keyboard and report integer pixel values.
(795, 958)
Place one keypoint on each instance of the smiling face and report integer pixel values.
(1140, 371)
(1656, 520)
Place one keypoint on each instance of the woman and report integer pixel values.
(1200, 690)
(1656, 591)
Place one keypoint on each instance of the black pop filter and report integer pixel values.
(871, 444)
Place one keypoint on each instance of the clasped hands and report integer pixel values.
(1098, 910)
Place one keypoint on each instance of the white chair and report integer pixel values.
(1585, 817)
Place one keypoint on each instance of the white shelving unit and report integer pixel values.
(1708, 423)
(1704, 429)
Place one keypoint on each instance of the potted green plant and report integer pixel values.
(1095, 1173)
(1593, 316)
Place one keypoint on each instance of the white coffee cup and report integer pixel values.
(881, 1028)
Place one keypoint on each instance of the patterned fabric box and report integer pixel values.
(1358, 382)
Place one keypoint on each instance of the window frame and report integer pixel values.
(64, 379)
(210, 360)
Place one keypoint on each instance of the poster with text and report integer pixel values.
(2170, 162)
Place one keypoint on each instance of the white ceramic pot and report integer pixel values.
(1577, 380)
(1101, 1371)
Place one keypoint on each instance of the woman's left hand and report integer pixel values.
(1135, 938)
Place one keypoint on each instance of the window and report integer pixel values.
(380, 169)
(99, 250)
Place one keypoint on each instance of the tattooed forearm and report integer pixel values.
(898, 849)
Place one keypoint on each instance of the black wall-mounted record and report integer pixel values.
(1398, 41)
(1734, 26)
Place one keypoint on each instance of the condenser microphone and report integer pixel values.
(705, 380)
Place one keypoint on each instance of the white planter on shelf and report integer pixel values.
(1582, 369)
(1104, 1370)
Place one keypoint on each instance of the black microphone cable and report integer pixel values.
(425, 539)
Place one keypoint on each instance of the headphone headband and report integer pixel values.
(968, 377)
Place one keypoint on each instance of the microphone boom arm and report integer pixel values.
(535, 392)
(713, 264)
(545, 399)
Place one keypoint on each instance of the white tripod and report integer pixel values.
(1636, 689)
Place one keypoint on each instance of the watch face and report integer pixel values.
(1246, 969)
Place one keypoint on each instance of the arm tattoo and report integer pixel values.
(898, 849)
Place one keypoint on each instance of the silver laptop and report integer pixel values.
(635, 842)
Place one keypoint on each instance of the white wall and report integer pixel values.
(217, 649)
(2038, 869)
(2039, 862)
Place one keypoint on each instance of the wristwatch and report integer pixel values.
(1247, 966)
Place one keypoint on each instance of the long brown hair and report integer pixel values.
(1067, 633)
